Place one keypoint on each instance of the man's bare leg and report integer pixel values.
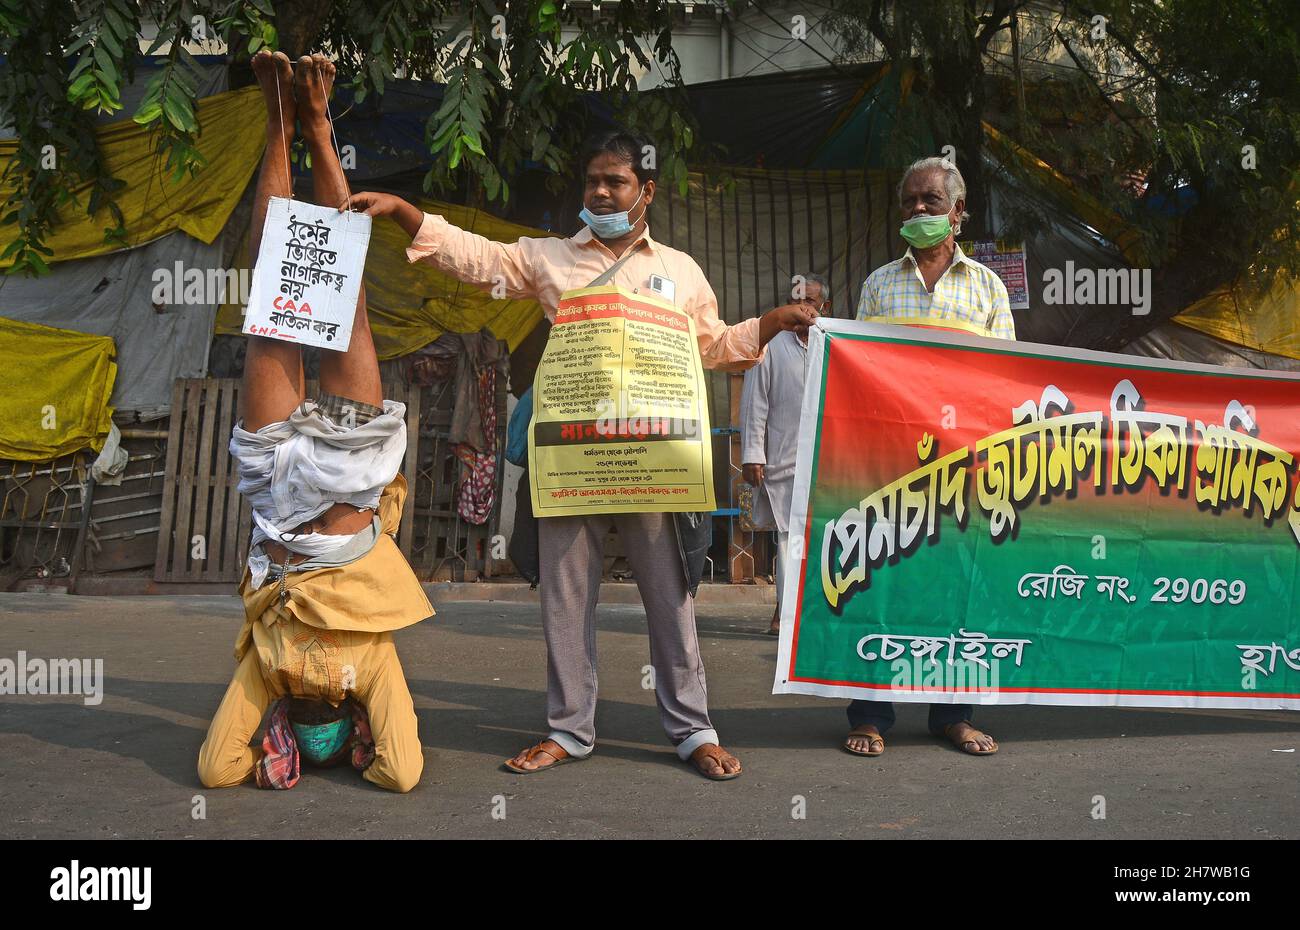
(273, 379)
(354, 373)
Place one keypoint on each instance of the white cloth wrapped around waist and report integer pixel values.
(294, 470)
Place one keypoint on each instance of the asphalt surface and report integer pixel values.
(126, 766)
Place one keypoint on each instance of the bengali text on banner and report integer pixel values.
(987, 521)
(620, 415)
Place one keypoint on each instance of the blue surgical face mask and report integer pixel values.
(610, 225)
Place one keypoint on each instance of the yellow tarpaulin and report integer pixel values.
(412, 305)
(57, 386)
(1269, 322)
(231, 140)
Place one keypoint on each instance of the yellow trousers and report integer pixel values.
(289, 657)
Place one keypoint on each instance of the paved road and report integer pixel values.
(125, 768)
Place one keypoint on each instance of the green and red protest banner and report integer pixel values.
(988, 521)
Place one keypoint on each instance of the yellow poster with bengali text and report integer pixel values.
(620, 417)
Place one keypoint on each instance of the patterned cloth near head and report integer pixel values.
(280, 767)
(473, 433)
(477, 490)
(347, 411)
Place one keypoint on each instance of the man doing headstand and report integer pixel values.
(326, 584)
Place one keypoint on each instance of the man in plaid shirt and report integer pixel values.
(933, 282)
(936, 281)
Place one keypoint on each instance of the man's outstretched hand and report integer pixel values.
(373, 203)
(797, 317)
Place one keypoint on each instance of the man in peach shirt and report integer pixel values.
(619, 189)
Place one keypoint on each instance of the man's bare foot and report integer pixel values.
(274, 75)
(712, 761)
(774, 628)
(865, 741)
(313, 82)
(970, 740)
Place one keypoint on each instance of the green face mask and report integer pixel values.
(922, 232)
(319, 743)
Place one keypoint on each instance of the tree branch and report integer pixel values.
(995, 22)
(1083, 69)
(876, 24)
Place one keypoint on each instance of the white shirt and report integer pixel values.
(769, 424)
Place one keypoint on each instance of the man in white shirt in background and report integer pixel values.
(769, 423)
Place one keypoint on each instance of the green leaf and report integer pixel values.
(450, 33)
(148, 113)
(530, 89)
(106, 64)
(118, 24)
(444, 135)
(181, 80)
(449, 103)
(472, 120)
(540, 141)
(472, 143)
(152, 91)
(80, 86)
(177, 115)
(110, 41)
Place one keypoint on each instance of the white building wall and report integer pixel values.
(763, 40)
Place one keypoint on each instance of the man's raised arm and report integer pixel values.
(464, 255)
(740, 346)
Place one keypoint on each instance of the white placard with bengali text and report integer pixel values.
(308, 274)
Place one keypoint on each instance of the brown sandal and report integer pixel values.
(969, 740)
(872, 738)
(548, 747)
(716, 753)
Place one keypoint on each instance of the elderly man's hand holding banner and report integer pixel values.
(979, 522)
